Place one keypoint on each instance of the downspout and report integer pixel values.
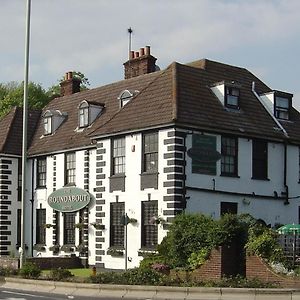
(286, 202)
(32, 200)
(184, 174)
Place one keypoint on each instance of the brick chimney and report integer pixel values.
(70, 85)
(139, 63)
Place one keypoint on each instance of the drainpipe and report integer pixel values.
(286, 202)
(32, 200)
(184, 174)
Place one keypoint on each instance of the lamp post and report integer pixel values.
(24, 138)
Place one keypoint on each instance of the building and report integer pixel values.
(202, 137)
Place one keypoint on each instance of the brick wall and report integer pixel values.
(257, 268)
(57, 262)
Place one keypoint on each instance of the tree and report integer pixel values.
(11, 94)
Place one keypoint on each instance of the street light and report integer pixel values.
(24, 138)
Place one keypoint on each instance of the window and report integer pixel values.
(118, 156)
(41, 172)
(125, 97)
(84, 114)
(70, 168)
(47, 124)
(40, 226)
(229, 156)
(117, 211)
(149, 227)
(259, 159)
(150, 152)
(229, 208)
(299, 165)
(69, 228)
(232, 97)
(19, 211)
(281, 108)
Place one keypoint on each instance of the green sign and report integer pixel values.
(69, 199)
(204, 154)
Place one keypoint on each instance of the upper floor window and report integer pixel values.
(259, 159)
(41, 172)
(232, 96)
(70, 167)
(83, 115)
(229, 156)
(47, 124)
(125, 97)
(150, 152)
(118, 156)
(281, 107)
(88, 112)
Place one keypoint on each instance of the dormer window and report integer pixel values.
(47, 123)
(281, 107)
(125, 97)
(52, 120)
(83, 114)
(232, 97)
(88, 112)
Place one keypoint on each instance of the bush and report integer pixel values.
(60, 274)
(30, 270)
(198, 258)
(8, 271)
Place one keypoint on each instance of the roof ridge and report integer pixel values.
(130, 102)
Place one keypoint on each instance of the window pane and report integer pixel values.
(150, 155)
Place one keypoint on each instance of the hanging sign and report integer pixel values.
(69, 199)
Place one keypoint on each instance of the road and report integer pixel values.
(8, 294)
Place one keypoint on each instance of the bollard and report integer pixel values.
(94, 271)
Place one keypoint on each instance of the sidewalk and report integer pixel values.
(148, 292)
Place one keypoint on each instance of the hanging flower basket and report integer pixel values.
(132, 220)
(157, 220)
(48, 225)
(39, 247)
(67, 248)
(79, 225)
(81, 248)
(98, 225)
(54, 248)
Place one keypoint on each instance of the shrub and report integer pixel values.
(60, 274)
(198, 258)
(8, 271)
(30, 270)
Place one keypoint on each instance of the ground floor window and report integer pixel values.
(40, 226)
(228, 208)
(19, 211)
(117, 211)
(69, 228)
(149, 226)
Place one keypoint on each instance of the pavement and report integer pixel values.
(147, 292)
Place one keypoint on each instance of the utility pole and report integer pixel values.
(24, 138)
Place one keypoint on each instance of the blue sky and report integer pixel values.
(91, 36)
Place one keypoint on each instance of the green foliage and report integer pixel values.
(60, 274)
(152, 259)
(11, 94)
(262, 241)
(137, 276)
(190, 233)
(8, 271)
(30, 270)
(198, 258)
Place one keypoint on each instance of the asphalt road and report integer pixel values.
(7, 294)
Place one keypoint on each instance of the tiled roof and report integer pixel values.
(179, 95)
(11, 130)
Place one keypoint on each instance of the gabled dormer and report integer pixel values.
(228, 94)
(88, 112)
(279, 103)
(52, 119)
(125, 96)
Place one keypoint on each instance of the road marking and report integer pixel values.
(23, 294)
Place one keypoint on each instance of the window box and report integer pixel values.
(146, 252)
(115, 252)
(39, 247)
(54, 248)
(48, 225)
(79, 226)
(82, 248)
(67, 248)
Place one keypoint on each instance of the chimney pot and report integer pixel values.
(147, 50)
(131, 55)
(142, 51)
(137, 54)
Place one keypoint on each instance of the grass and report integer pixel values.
(76, 272)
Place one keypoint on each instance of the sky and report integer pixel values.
(91, 36)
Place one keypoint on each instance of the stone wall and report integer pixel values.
(11, 263)
(57, 262)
